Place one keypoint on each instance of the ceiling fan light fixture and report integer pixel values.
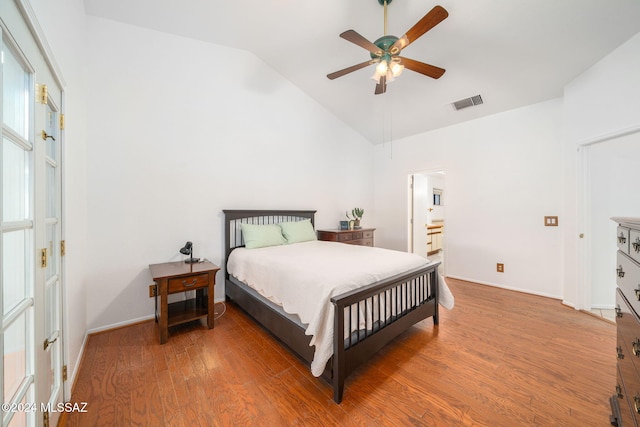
(396, 69)
(385, 50)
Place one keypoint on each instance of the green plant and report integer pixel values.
(356, 214)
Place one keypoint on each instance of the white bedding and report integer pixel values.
(297, 276)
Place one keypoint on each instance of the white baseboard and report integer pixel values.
(120, 324)
(525, 291)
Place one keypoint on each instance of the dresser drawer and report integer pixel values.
(631, 386)
(628, 279)
(622, 239)
(634, 244)
(187, 283)
(343, 237)
(627, 417)
(361, 242)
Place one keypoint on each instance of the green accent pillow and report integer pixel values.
(261, 235)
(298, 231)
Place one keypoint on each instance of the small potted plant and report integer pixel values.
(355, 216)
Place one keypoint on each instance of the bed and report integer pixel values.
(355, 320)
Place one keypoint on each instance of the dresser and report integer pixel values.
(625, 403)
(360, 236)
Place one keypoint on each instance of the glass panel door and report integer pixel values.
(17, 242)
(30, 227)
(52, 284)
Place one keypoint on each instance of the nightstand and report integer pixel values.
(359, 236)
(176, 277)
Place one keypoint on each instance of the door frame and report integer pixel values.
(410, 203)
(585, 242)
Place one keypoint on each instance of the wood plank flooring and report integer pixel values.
(499, 358)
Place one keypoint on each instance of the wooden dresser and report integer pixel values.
(625, 404)
(360, 236)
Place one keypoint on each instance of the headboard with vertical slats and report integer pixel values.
(233, 218)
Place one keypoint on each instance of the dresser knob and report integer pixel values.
(620, 353)
(636, 347)
(619, 311)
(621, 238)
(636, 403)
(620, 271)
(636, 245)
(637, 291)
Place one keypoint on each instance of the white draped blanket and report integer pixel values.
(302, 278)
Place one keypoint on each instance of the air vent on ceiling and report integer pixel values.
(467, 102)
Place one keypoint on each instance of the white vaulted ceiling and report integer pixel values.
(512, 52)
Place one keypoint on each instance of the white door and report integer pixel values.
(30, 286)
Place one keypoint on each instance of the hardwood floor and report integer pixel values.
(499, 358)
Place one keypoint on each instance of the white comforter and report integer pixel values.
(299, 275)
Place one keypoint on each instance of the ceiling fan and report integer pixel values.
(385, 52)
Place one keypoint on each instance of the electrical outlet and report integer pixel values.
(153, 291)
(500, 268)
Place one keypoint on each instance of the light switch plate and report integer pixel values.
(551, 221)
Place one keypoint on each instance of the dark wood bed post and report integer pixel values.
(338, 365)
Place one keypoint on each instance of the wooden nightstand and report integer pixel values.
(175, 277)
(360, 236)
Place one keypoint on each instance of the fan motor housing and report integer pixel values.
(384, 43)
(383, 1)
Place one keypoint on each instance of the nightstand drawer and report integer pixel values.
(187, 283)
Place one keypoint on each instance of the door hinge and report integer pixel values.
(64, 372)
(61, 121)
(42, 95)
(45, 418)
(43, 257)
(63, 248)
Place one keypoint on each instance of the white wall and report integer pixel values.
(503, 176)
(599, 104)
(178, 131)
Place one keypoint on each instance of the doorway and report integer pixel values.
(427, 214)
(612, 167)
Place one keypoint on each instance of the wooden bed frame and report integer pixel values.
(414, 294)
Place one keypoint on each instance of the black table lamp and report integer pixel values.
(188, 250)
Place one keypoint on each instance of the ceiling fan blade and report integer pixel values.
(347, 70)
(353, 37)
(382, 86)
(428, 21)
(422, 68)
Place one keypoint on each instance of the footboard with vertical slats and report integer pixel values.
(376, 315)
